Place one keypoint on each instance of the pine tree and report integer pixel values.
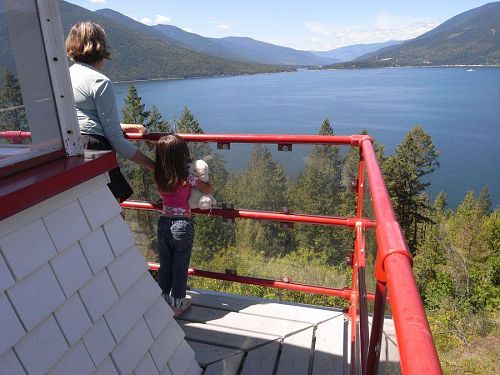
(156, 123)
(319, 191)
(140, 179)
(415, 158)
(440, 203)
(189, 124)
(12, 113)
(262, 186)
(484, 201)
(134, 110)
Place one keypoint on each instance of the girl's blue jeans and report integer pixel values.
(175, 243)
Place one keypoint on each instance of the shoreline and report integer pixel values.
(309, 69)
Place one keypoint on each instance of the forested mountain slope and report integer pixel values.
(141, 54)
(470, 38)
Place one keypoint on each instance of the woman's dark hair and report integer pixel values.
(172, 157)
(86, 43)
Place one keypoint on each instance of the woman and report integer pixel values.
(96, 102)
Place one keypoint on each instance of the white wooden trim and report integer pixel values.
(51, 26)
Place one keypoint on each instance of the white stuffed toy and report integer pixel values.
(199, 168)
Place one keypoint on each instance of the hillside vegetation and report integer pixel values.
(470, 38)
(137, 54)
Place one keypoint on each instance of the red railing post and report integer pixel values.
(359, 248)
(373, 359)
(393, 266)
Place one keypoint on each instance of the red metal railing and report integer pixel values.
(393, 262)
(15, 136)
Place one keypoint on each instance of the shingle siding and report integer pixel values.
(76, 296)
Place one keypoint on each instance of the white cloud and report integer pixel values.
(162, 19)
(223, 26)
(146, 21)
(159, 19)
(98, 1)
(385, 27)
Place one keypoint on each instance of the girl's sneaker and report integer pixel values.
(180, 305)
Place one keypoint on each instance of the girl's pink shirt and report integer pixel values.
(176, 203)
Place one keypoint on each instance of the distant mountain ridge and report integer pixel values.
(254, 50)
(234, 48)
(354, 51)
(165, 51)
(138, 53)
(470, 38)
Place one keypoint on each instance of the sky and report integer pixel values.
(318, 25)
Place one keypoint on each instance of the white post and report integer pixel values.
(51, 26)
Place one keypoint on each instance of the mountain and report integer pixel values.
(140, 54)
(351, 52)
(261, 52)
(196, 42)
(470, 38)
(233, 48)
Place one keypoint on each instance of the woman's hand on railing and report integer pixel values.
(134, 128)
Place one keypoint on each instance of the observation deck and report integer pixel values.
(245, 335)
(233, 334)
(77, 295)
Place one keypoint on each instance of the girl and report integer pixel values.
(175, 225)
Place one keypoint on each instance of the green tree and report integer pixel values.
(12, 113)
(415, 158)
(156, 123)
(456, 268)
(262, 186)
(484, 201)
(141, 179)
(319, 191)
(189, 124)
(134, 111)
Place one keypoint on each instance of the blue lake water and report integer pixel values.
(460, 109)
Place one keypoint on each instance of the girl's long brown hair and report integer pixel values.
(172, 157)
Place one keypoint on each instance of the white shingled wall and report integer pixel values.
(76, 296)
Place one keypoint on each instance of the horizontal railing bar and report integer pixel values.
(351, 140)
(261, 215)
(326, 291)
(15, 135)
(256, 138)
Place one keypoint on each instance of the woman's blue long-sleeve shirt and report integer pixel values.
(96, 107)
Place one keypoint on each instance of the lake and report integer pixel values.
(460, 109)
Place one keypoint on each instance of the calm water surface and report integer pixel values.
(458, 108)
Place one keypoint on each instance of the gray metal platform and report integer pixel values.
(239, 335)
